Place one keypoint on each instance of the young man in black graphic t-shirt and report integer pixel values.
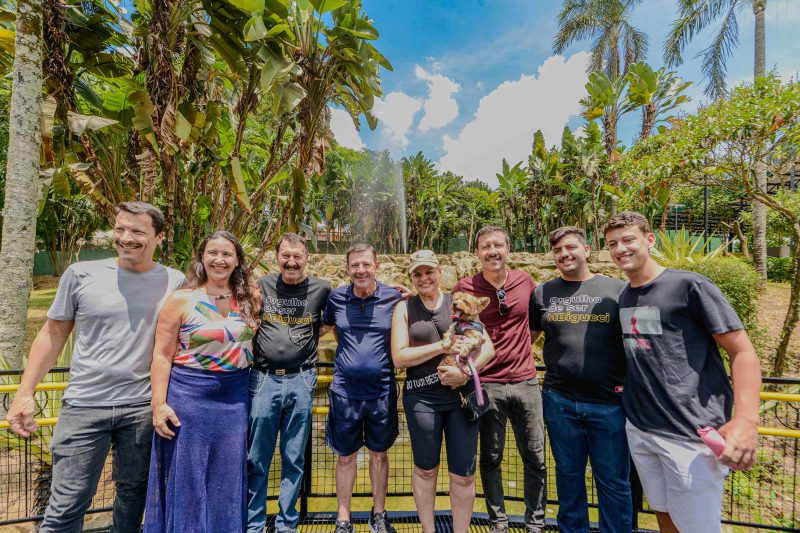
(282, 381)
(676, 384)
(582, 393)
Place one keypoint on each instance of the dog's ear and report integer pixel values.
(482, 303)
(458, 294)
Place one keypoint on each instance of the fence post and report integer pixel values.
(637, 496)
(305, 488)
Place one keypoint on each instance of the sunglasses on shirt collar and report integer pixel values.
(501, 302)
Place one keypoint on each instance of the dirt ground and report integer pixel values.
(772, 307)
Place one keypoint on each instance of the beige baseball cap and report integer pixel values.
(423, 258)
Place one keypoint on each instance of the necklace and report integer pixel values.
(218, 296)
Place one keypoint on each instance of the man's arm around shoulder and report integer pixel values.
(44, 352)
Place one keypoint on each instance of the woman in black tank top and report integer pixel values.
(431, 394)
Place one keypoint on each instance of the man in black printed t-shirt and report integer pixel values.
(282, 381)
(582, 393)
(676, 382)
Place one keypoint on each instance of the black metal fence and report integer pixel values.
(765, 497)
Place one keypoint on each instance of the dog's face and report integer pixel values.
(468, 307)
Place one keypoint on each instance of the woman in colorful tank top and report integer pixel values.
(432, 403)
(200, 376)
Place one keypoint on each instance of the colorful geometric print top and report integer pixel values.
(210, 341)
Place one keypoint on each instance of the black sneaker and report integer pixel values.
(343, 526)
(379, 523)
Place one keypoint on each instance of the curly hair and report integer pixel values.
(240, 281)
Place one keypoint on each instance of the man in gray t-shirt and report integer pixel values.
(112, 306)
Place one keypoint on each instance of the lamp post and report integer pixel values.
(677, 208)
(705, 216)
(705, 206)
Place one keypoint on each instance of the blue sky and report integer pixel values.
(473, 79)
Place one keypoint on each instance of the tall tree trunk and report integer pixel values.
(793, 312)
(648, 119)
(759, 209)
(610, 140)
(22, 181)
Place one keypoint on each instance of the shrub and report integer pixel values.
(779, 269)
(737, 280)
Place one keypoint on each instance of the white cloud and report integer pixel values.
(507, 117)
(396, 113)
(344, 131)
(440, 106)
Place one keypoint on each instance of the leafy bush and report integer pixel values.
(779, 268)
(681, 246)
(737, 280)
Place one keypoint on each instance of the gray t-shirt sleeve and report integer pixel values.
(66, 301)
(710, 308)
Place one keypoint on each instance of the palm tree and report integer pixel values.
(693, 17)
(617, 45)
(418, 174)
(513, 191)
(22, 181)
(608, 23)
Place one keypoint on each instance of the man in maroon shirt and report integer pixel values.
(510, 379)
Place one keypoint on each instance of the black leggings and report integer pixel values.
(426, 429)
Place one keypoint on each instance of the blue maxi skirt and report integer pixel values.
(198, 480)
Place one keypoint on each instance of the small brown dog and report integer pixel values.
(466, 323)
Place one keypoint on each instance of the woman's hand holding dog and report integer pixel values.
(451, 376)
(457, 345)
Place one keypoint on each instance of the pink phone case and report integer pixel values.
(713, 439)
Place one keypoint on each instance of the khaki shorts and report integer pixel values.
(684, 479)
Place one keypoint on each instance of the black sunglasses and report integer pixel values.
(501, 301)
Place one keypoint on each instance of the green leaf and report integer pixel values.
(593, 113)
(363, 29)
(239, 189)
(87, 92)
(7, 40)
(287, 96)
(277, 29)
(323, 6)
(248, 6)
(254, 29)
(278, 7)
(202, 209)
(61, 183)
(274, 69)
(107, 65)
(613, 190)
(143, 116)
(183, 128)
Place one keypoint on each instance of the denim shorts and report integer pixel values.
(356, 423)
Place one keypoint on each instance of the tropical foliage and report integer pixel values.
(724, 145)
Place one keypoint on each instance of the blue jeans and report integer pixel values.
(277, 404)
(80, 445)
(579, 431)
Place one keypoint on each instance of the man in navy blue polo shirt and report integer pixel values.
(363, 396)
